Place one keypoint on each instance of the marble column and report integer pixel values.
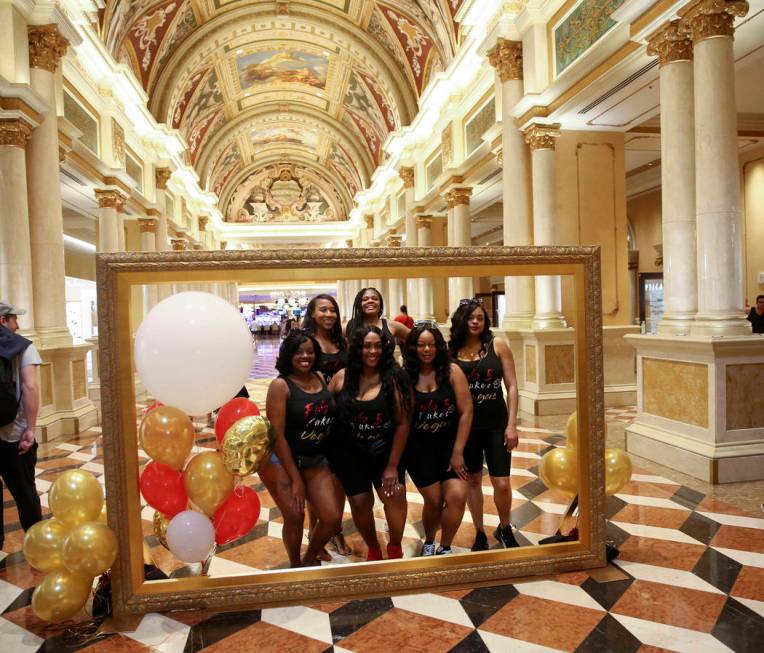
(395, 286)
(680, 291)
(412, 285)
(368, 232)
(15, 249)
(717, 177)
(424, 238)
(109, 206)
(181, 245)
(540, 139)
(46, 224)
(161, 176)
(148, 227)
(458, 202)
(507, 58)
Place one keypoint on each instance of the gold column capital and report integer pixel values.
(393, 240)
(147, 225)
(203, 223)
(407, 174)
(109, 199)
(507, 58)
(223, 244)
(349, 243)
(15, 132)
(424, 222)
(458, 197)
(46, 46)
(369, 220)
(711, 18)
(161, 175)
(672, 42)
(178, 244)
(541, 137)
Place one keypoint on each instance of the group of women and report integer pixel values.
(350, 420)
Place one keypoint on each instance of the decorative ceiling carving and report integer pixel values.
(312, 84)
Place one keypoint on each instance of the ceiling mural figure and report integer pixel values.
(208, 65)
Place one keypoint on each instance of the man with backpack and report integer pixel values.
(19, 401)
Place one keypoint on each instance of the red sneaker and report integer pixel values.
(394, 551)
(374, 554)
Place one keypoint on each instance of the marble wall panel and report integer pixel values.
(745, 407)
(559, 361)
(676, 390)
(530, 363)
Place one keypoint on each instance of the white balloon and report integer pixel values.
(193, 351)
(190, 536)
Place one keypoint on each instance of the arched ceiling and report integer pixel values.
(252, 84)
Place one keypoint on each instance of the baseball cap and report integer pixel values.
(7, 309)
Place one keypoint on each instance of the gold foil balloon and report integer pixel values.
(75, 498)
(103, 516)
(208, 482)
(160, 528)
(571, 430)
(247, 444)
(90, 549)
(617, 470)
(43, 544)
(167, 436)
(61, 595)
(559, 470)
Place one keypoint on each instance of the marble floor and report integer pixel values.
(689, 577)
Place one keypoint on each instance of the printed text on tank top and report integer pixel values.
(434, 411)
(316, 416)
(484, 377)
(370, 422)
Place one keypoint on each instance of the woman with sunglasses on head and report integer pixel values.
(368, 308)
(301, 411)
(441, 422)
(322, 321)
(487, 362)
(373, 397)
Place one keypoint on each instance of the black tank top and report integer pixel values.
(435, 415)
(309, 418)
(333, 363)
(485, 377)
(371, 425)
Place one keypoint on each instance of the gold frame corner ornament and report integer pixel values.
(118, 273)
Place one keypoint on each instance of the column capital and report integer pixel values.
(15, 132)
(541, 137)
(407, 174)
(393, 240)
(109, 199)
(147, 225)
(161, 175)
(223, 244)
(178, 244)
(458, 197)
(507, 58)
(46, 46)
(424, 222)
(710, 18)
(672, 42)
(203, 220)
(369, 220)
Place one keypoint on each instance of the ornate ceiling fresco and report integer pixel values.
(261, 90)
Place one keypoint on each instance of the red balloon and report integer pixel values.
(237, 516)
(163, 489)
(148, 409)
(231, 413)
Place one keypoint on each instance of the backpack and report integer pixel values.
(9, 403)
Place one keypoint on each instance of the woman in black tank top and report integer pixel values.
(487, 363)
(368, 308)
(322, 321)
(301, 411)
(441, 423)
(373, 397)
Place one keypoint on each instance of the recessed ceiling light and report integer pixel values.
(240, 51)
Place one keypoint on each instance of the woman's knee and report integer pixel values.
(500, 483)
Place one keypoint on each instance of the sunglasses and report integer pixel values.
(474, 300)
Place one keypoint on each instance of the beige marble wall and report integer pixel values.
(46, 385)
(745, 406)
(559, 363)
(676, 390)
(530, 363)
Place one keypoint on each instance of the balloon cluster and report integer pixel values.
(223, 511)
(72, 547)
(559, 467)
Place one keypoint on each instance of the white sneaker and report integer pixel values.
(428, 549)
(444, 552)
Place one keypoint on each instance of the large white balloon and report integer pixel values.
(190, 536)
(193, 351)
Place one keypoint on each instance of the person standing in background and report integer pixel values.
(404, 318)
(756, 315)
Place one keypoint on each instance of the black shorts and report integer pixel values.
(428, 462)
(488, 443)
(359, 470)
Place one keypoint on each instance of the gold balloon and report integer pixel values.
(90, 549)
(60, 596)
(208, 482)
(103, 516)
(75, 497)
(247, 444)
(617, 470)
(559, 470)
(43, 544)
(160, 528)
(167, 436)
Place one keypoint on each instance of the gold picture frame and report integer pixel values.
(117, 274)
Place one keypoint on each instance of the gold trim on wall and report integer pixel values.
(118, 274)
